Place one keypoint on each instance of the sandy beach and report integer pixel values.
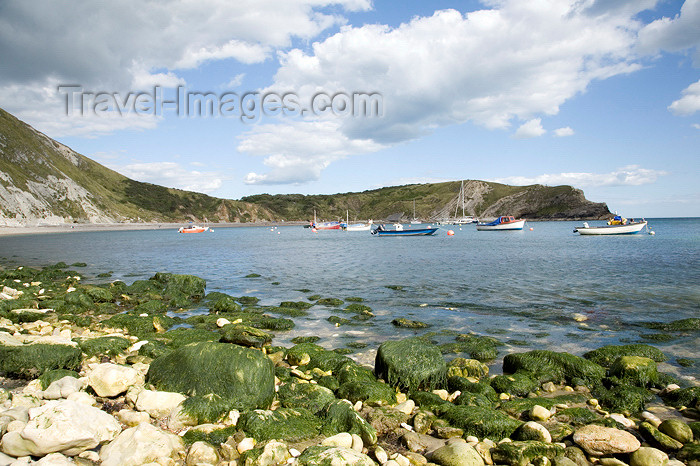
(73, 227)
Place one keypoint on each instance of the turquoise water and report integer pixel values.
(520, 287)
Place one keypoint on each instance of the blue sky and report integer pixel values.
(600, 94)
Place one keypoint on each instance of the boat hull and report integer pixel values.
(193, 230)
(366, 227)
(517, 225)
(414, 232)
(629, 229)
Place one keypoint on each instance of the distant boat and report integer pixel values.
(506, 222)
(415, 220)
(325, 225)
(399, 231)
(192, 229)
(616, 226)
(356, 226)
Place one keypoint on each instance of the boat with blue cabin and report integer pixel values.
(400, 231)
(504, 222)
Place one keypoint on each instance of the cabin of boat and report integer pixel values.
(504, 222)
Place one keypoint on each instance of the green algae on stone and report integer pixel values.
(395, 287)
(407, 323)
(288, 424)
(480, 421)
(688, 397)
(288, 311)
(411, 364)
(473, 399)
(606, 355)
(521, 453)
(339, 416)
(550, 366)
(577, 416)
(319, 455)
(429, 401)
(386, 420)
(248, 300)
(215, 437)
(520, 383)
(370, 392)
(98, 294)
(338, 321)
(153, 306)
(243, 375)
(636, 370)
(104, 346)
(307, 339)
(518, 406)
(31, 361)
(657, 438)
(690, 453)
(51, 376)
(224, 304)
(477, 347)
(253, 275)
(357, 308)
(331, 302)
(207, 408)
(303, 305)
(313, 397)
(624, 399)
(314, 297)
(677, 429)
(455, 383)
(343, 351)
(319, 357)
(245, 336)
(181, 336)
(354, 299)
(462, 367)
(681, 325)
(140, 326)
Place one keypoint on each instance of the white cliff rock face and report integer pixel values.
(111, 379)
(63, 427)
(140, 445)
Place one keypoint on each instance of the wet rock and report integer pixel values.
(462, 367)
(576, 455)
(599, 441)
(647, 456)
(606, 355)
(657, 438)
(677, 429)
(406, 407)
(635, 370)
(539, 413)
(690, 453)
(337, 456)
(385, 420)
(411, 364)
(61, 426)
(140, 445)
(111, 379)
(531, 430)
(412, 441)
(339, 416)
(245, 336)
(522, 453)
(423, 421)
(457, 454)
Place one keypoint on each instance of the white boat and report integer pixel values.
(505, 222)
(415, 220)
(356, 226)
(466, 220)
(611, 229)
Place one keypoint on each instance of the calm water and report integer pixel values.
(521, 287)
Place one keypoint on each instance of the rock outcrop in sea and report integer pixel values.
(109, 375)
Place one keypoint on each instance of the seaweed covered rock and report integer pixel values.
(411, 364)
(480, 421)
(462, 367)
(190, 286)
(292, 425)
(677, 429)
(339, 416)
(657, 438)
(550, 366)
(224, 303)
(245, 336)
(311, 355)
(457, 454)
(606, 355)
(30, 361)
(243, 376)
(336, 456)
(624, 399)
(463, 385)
(520, 383)
(635, 370)
(647, 456)
(407, 323)
(313, 397)
(689, 453)
(523, 453)
(104, 346)
(688, 397)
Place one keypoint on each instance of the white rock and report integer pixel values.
(8, 340)
(140, 445)
(33, 388)
(245, 445)
(201, 453)
(179, 419)
(357, 443)
(158, 404)
(442, 394)
(294, 452)
(221, 321)
(64, 387)
(137, 346)
(357, 406)
(651, 418)
(111, 380)
(406, 407)
(15, 426)
(132, 418)
(82, 398)
(380, 455)
(539, 413)
(472, 439)
(622, 419)
(61, 426)
(342, 439)
(54, 340)
(90, 455)
(55, 459)
(232, 418)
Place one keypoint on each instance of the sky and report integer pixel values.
(326, 96)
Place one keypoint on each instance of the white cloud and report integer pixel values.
(234, 82)
(696, 125)
(130, 45)
(299, 152)
(674, 34)
(563, 132)
(631, 175)
(516, 61)
(172, 175)
(689, 103)
(530, 129)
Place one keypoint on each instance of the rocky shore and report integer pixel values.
(109, 374)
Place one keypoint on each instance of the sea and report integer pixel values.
(544, 287)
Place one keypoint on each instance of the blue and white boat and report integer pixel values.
(505, 222)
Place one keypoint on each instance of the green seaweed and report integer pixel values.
(480, 421)
(550, 366)
(339, 416)
(104, 346)
(207, 408)
(522, 453)
(520, 383)
(214, 437)
(288, 424)
(407, 323)
(411, 364)
(313, 397)
(31, 361)
(50, 376)
(331, 302)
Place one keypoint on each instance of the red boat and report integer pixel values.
(192, 229)
(326, 226)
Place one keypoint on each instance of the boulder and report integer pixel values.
(337, 456)
(243, 377)
(647, 456)
(287, 424)
(339, 416)
(305, 395)
(532, 430)
(112, 380)
(158, 404)
(269, 454)
(411, 364)
(61, 427)
(245, 335)
(635, 370)
(457, 454)
(140, 445)
(523, 453)
(201, 453)
(677, 429)
(657, 438)
(30, 361)
(599, 441)
(63, 388)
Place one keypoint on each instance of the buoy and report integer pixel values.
(313, 230)
(450, 233)
(278, 232)
(652, 232)
(531, 228)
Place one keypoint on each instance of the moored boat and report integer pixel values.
(192, 229)
(327, 226)
(359, 226)
(616, 226)
(399, 231)
(504, 222)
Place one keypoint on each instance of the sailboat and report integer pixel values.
(415, 221)
(465, 219)
(325, 225)
(356, 226)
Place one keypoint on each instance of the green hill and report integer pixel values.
(43, 181)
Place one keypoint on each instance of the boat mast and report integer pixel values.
(461, 190)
